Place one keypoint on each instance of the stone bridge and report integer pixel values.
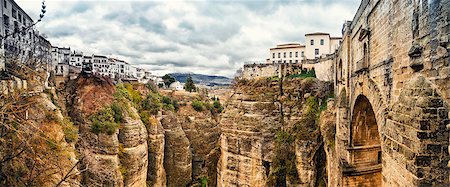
(392, 78)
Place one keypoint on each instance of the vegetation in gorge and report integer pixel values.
(70, 131)
(107, 120)
(307, 128)
(311, 100)
(198, 105)
(30, 151)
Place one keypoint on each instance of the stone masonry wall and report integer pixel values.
(396, 53)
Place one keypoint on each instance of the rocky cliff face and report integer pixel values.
(262, 142)
(117, 157)
(156, 175)
(132, 136)
(177, 153)
(248, 126)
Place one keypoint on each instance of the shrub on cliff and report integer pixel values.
(307, 127)
(152, 86)
(127, 91)
(304, 74)
(104, 121)
(152, 103)
(218, 106)
(198, 105)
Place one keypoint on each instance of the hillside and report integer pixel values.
(207, 80)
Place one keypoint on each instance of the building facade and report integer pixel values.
(320, 44)
(287, 53)
(17, 34)
(18, 38)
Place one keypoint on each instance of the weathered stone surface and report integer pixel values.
(177, 153)
(134, 155)
(406, 84)
(119, 159)
(156, 175)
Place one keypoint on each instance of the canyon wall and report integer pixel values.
(259, 143)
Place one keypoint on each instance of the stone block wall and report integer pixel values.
(396, 53)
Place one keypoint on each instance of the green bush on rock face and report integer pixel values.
(198, 105)
(106, 120)
(152, 103)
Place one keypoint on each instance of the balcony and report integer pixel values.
(361, 66)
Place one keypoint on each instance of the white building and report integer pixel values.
(319, 44)
(16, 31)
(102, 66)
(176, 86)
(76, 59)
(60, 60)
(287, 53)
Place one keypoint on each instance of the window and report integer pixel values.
(273, 61)
(4, 4)
(14, 13)
(284, 61)
(317, 51)
(312, 42)
(278, 55)
(303, 53)
(273, 55)
(321, 42)
(290, 61)
(284, 55)
(6, 21)
(296, 61)
(296, 54)
(290, 54)
(20, 18)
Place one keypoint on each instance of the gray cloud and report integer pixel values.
(212, 37)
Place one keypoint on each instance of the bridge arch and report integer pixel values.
(364, 125)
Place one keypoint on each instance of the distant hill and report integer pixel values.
(206, 80)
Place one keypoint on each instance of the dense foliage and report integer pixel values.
(106, 120)
(168, 79)
(198, 105)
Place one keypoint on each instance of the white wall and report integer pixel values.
(323, 49)
(286, 54)
(324, 70)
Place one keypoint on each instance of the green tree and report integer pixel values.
(189, 86)
(168, 79)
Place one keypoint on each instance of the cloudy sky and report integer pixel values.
(209, 37)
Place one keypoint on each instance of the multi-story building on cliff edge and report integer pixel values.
(68, 64)
(18, 38)
(317, 45)
(292, 58)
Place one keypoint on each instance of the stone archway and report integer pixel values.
(364, 133)
(364, 162)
